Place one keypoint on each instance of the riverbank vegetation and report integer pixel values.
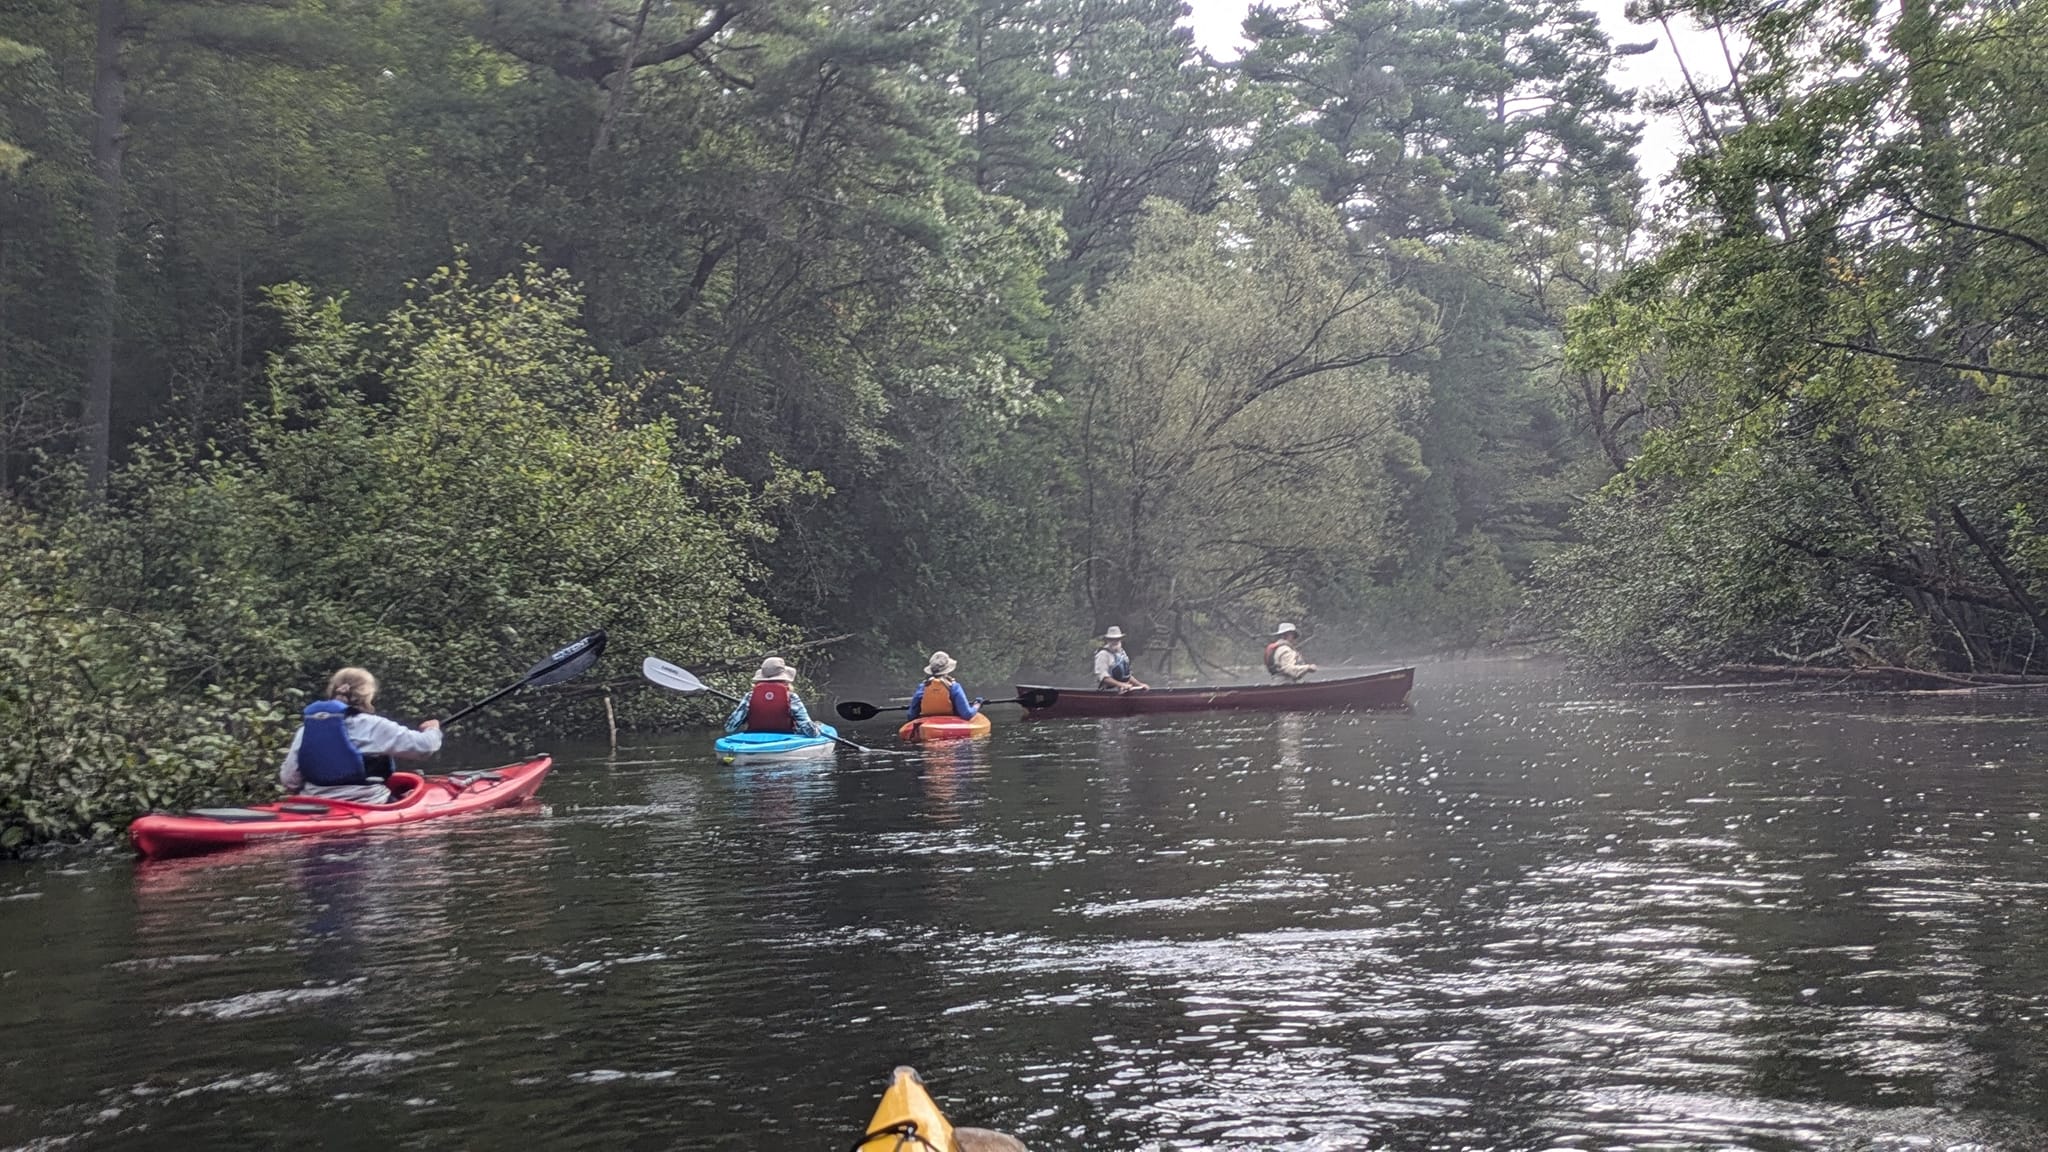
(427, 335)
(1841, 339)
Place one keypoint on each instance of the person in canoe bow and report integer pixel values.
(1113, 664)
(1283, 656)
(336, 736)
(940, 694)
(773, 705)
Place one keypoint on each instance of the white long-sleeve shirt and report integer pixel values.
(373, 736)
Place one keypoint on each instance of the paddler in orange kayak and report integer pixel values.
(336, 734)
(940, 694)
(1113, 664)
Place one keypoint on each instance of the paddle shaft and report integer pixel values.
(858, 710)
(487, 701)
(566, 663)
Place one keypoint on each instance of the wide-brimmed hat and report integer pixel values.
(1284, 629)
(774, 668)
(940, 665)
(1113, 633)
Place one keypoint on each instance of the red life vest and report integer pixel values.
(768, 708)
(1272, 668)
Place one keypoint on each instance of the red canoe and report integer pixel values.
(163, 834)
(1379, 690)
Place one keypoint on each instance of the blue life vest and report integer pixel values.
(1120, 667)
(327, 757)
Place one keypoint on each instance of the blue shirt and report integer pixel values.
(797, 712)
(962, 707)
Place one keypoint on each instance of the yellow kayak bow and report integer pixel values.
(908, 1119)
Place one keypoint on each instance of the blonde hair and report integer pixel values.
(354, 687)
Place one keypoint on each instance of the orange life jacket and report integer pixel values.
(1271, 667)
(935, 698)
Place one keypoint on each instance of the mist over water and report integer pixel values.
(1529, 914)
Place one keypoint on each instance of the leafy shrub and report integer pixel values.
(94, 730)
(442, 498)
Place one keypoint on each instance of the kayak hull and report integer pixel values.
(165, 834)
(907, 1117)
(769, 747)
(945, 728)
(1380, 690)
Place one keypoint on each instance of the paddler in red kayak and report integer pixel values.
(773, 705)
(335, 734)
(1283, 657)
(940, 694)
(1113, 664)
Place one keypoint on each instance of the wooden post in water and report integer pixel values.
(611, 720)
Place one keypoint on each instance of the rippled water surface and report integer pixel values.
(1527, 915)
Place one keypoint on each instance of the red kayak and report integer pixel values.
(201, 830)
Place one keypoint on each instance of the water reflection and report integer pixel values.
(1526, 915)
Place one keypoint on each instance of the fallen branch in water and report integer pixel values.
(1880, 674)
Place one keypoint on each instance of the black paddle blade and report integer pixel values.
(568, 662)
(856, 711)
(1038, 697)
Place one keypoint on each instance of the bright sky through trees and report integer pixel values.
(1217, 26)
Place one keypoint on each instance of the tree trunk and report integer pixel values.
(109, 98)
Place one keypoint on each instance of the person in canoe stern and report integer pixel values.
(773, 705)
(1283, 655)
(335, 734)
(1113, 664)
(940, 694)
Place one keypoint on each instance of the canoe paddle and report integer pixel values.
(856, 710)
(680, 680)
(566, 663)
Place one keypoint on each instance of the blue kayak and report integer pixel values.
(776, 745)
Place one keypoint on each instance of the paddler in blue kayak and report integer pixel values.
(1113, 664)
(773, 705)
(940, 694)
(336, 735)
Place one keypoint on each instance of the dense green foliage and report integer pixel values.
(981, 324)
(1237, 411)
(444, 497)
(1846, 335)
(94, 726)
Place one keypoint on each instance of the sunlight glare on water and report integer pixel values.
(1529, 914)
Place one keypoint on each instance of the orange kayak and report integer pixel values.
(945, 728)
(203, 830)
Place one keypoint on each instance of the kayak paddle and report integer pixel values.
(565, 663)
(857, 710)
(680, 680)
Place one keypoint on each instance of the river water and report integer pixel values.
(1529, 914)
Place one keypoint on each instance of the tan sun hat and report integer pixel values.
(774, 668)
(1113, 633)
(1284, 629)
(940, 665)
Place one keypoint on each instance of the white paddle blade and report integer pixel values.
(669, 676)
